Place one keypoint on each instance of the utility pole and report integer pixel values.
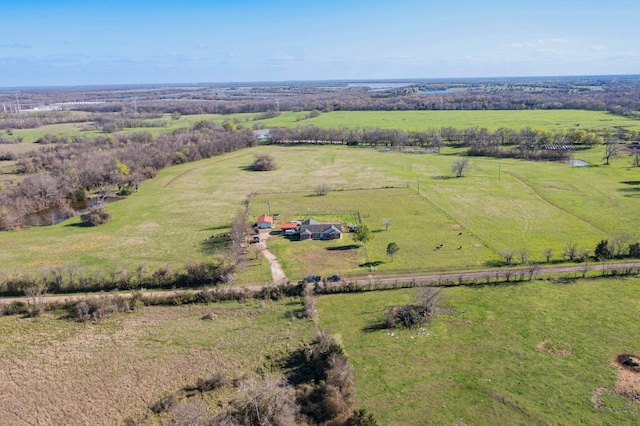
(17, 103)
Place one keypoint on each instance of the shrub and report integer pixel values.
(411, 316)
(16, 308)
(97, 308)
(95, 216)
(264, 163)
(323, 189)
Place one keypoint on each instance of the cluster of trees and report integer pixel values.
(114, 123)
(60, 174)
(320, 390)
(35, 120)
(524, 143)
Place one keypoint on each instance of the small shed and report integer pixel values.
(265, 222)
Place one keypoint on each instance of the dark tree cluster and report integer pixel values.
(59, 174)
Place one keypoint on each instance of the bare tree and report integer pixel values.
(35, 294)
(611, 151)
(524, 255)
(387, 222)
(323, 189)
(547, 252)
(460, 166)
(533, 270)
(571, 250)
(507, 255)
(618, 242)
(270, 403)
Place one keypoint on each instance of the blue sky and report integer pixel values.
(73, 42)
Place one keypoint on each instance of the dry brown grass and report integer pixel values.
(556, 348)
(55, 371)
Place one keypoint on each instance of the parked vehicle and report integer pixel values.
(312, 279)
(334, 278)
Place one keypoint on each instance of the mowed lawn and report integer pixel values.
(57, 371)
(500, 204)
(536, 353)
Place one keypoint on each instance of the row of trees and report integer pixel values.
(617, 247)
(524, 143)
(60, 174)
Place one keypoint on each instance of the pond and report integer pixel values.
(56, 215)
(577, 163)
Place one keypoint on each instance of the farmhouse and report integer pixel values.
(264, 222)
(289, 226)
(312, 230)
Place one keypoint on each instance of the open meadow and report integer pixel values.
(536, 353)
(57, 371)
(500, 205)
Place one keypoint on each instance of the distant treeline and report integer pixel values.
(616, 94)
(60, 174)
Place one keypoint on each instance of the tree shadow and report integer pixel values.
(79, 225)
(370, 264)
(216, 228)
(442, 177)
(376, 326)
(341, 248)
(215, 243)
(631, 182)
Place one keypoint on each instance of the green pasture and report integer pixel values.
(500, 204)
(492, 120)
(490, 359)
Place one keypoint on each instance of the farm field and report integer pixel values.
(404, 120)
(501, 204)
(56, 371)
(492, 120)
(537, 353)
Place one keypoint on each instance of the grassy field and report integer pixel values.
(529, 354)
(423, 120)
(56, 371)
(501, 204)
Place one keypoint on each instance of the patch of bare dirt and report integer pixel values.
(552, 347)
(628, 383)
(597, 398)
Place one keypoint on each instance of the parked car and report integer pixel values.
(312, 279)
(334, 278)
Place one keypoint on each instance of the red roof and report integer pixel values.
(286, 226)
(265, 218)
